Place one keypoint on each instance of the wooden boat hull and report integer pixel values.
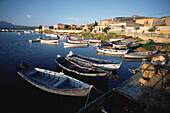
(69, 92)
(89, 61)
(139, 55)
(83, 74)
(112, 51)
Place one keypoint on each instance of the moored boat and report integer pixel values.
(89, 61)
(94, 40)
(77, 41)
(75, 44)
(63, 36)
(54, 82)
(112, 51)
(140, 55)
(80, 70)
(36, 40)
(48, 40)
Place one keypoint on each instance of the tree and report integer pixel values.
(136, 28)
(40, 27)
(105, 29)
(95, 23)
(51, 27)
(152, 29)
(66, 26)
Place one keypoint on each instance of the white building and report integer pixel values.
(44, 28)
(123, 26)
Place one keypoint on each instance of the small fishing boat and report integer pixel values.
(53, 82)
(20, 33)
(76, 38)
(94, 40)
(36, 40)
(89, 61)
(63, 36)
(140, 55)
(112, 51)
(51, 35)
(116, 39)
(119, 45)
(82, 71)
(75, 44)
(48, 40)
(77, 41)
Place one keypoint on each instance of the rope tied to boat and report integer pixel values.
(88, 95)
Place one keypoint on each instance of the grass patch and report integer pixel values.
(151, 46)
(104, 36)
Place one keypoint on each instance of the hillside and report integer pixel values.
(7, 25)
(132, 18)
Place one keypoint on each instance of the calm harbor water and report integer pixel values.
(19, 96)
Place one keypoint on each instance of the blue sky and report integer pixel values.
(49, 12)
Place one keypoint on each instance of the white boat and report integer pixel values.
(51, 35)
(26, 31)
(112, 51)
(119, 45)
(48, 34)
(54, 35)
(54, 82)
(89, 61)
(36, 40)
(48, 40)
(94, 40)
(116, 39)
(75, 44)
(20, 33)
(63, 36)
(77, 41)
(76, 38)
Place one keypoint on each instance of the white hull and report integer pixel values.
(77, 41)
(112, 51)
(52, 35)
(94, 41)
(75, 44)
(49, 40)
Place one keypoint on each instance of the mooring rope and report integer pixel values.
(89, 95)
(87, 98)
(97, 90)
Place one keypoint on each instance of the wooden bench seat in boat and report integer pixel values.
(31, 72)
(60, 82)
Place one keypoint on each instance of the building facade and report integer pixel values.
(58, 26)
(104, 23)
(44, 28)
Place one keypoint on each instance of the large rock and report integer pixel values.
(148, 70)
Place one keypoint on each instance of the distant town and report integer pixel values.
(139, 24)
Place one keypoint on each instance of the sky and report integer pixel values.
(79, 12)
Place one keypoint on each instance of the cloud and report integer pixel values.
(29, 16)
(72, 18)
